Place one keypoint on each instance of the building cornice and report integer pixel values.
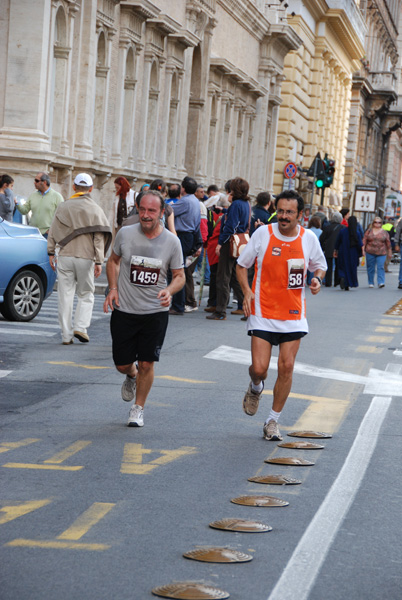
(247, 15)
(238, 76)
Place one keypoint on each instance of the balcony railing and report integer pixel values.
(383, 81)
(354, 15)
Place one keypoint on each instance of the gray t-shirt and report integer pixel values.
(143, 268)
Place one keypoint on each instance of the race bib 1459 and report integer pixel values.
(144, 270)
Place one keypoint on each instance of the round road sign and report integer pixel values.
(290, 170)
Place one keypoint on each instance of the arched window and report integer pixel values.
(100, 95)
(152, 112)
(59, 76)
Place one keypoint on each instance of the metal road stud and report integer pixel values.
(241, 525)
(310, 434)
(260, 501)
(190, 590)
(301, 445)
(274, 480)
(217, 555)
(293, 461)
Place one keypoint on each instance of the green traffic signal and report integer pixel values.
(319, 183)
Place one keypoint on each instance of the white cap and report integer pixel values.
(84, 179)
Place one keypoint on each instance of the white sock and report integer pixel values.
(257, 388)
(273, 415)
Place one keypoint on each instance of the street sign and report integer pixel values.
(288, 184)
(365, 198)
(290, 170)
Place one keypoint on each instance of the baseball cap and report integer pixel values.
(83, 179)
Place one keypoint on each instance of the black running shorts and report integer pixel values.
(137, 337)
(275, 338)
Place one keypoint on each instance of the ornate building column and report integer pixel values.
(165, 113)
(124, 46)
(142, 125)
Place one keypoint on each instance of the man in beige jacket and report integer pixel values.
(82, 232)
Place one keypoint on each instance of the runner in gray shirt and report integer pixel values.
(139, 298)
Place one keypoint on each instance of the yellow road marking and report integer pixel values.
(382, 329)
(88, 519)
(133, 453)
(13, 512)
(67, 452)
(171, 378)
(323, 414)
(380, 339)
(6, 446)
(70, 363)
(54, 544)
(369, 349)
(42, 467)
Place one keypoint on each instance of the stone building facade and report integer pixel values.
(314, 115)
(374, 154)
(140, 88)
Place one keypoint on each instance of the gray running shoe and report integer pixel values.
(136, 416)
(271, 431)
(251, 400)
(128, 389)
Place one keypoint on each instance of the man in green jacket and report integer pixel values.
(43, 204)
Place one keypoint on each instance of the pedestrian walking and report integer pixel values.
(376, 248)
(275, 305)
(82, 232)
(139, 298)
(43, 203)
(327, 242)
(348, 250)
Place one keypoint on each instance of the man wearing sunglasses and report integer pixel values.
(275, 306)
(43, 204)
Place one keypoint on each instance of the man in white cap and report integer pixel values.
(82, 232)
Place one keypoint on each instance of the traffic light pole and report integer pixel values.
(312, 191)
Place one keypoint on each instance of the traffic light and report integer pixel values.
(330, 172)
(320, 181)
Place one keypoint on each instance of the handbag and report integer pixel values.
(238, 241)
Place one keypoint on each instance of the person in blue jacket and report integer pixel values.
(237, 221)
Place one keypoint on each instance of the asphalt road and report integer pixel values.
(91, 509)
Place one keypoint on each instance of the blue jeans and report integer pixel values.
(373, 261)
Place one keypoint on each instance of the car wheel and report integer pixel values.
(23, 297)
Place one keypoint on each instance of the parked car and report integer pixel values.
(26, 277)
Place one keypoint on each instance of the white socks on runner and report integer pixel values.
(257, 389)
(273, 415)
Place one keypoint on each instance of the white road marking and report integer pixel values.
(4, 373)
(19, 324)
(303, 567)
(379, 383)
(26, 332)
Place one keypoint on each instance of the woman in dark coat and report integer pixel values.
(348, 250)
(327, 241)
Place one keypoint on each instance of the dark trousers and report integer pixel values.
(179, 299)
(331, 271)
(225, 279)
(212, 285)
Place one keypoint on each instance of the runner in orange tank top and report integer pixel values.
(275, 306)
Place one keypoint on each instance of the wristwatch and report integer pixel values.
(318, 279)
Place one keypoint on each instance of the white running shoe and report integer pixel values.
(271, 431)
(136, 416)
(128, 388)
(189, 308)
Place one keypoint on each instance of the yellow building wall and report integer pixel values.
(314, 115)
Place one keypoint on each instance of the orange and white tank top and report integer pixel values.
(279, 279)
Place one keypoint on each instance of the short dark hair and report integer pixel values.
(174, 191)
(212, 188)
(45, 177)
(159, 185)
(6, 179)
(344, 211)
(152, 193)
(189, 184)
(227, 186)
(291, 195)
(239, 188)
(263, 198)
(314, 222)
(82, 188)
